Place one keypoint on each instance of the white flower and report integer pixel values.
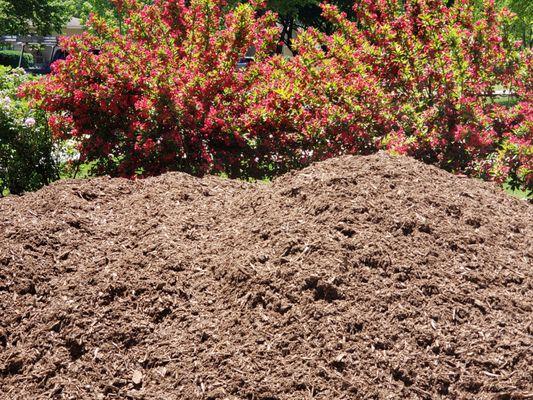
(5, 102)
(29, 122)
(66, 151)
(307, 153)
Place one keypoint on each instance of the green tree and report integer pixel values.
(522, 28)
(34, 16)
(294, 14)
(104, 8)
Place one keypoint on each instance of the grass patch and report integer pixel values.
(518, 193)
(83, 171)
(507, 101)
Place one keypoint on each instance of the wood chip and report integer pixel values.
(137, 377)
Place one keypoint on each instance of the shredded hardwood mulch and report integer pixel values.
(356, 278)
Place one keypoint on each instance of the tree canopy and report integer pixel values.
(523, 26)
(34, 16)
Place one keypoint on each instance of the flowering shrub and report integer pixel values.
(26, 160)
(158, 94)
(415, 77)
(433, 71)
(514, 159)
(317, 105)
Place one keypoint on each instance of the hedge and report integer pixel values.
(10, 58)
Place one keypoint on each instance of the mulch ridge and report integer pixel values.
(373, 277)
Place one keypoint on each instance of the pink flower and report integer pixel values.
(29, 122)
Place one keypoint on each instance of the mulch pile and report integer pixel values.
(356, 278)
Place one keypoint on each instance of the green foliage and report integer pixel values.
(11, 58)
(522, 27)
(105, 9)
(26, 161)
(311, 15)
(43, 17)
(290, 7)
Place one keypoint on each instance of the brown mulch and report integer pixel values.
(356, 278)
